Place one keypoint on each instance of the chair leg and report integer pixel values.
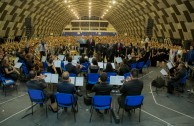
(119, 109)
(122, 116)
(32, 107)
(46, 110)
(91, 113)
(110, 115)
(139, 113)
(73, 107)
(57, 112)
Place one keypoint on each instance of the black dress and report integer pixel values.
(154, 57)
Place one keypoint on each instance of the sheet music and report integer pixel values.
(116, 80)
(163, 72)
(74, 62)
(119, 60)
(77, 58)
(47, 79)
(43, 58)
(61, 57)
(65, 63)
(72, 80)
(79, 81)
(54, 78)
(100, 64)
(169, 65)
(18, 65)
(16, 60)
(8, 81)
(57, 63)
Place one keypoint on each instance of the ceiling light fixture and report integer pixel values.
(113, 1)
(90, 3)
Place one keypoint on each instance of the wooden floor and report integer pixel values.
(158, 109)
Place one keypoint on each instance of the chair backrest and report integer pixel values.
(133, 101)
(184, 79)
(133, 65)
(72, 75)
(64, 99)
(85, 66)
(93, 78)
(25, 70)
(102, 100)
(140, 64)
(148, 62)
(110, 74)
(127, 75)
(36, 95)
(45, 65)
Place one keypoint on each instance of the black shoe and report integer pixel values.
(65, 109)
(105, 111)
(73, 110)
(41, 105)
(99, 113)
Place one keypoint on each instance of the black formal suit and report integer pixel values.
(175, 81)
(118, 48)
(130, 88)
(104, 51)
(40, 85)
(90, 47)
(72, 69)
(110, 53)
(102, 89)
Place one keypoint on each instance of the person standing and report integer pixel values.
(42, 49)
(90, 46)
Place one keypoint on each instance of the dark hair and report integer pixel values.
(70, 59)
(124, 61)
(94, 61)
(103, 77)
(50, 61)
(109, 67)
(32, 74)
(134, 73)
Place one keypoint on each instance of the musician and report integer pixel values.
(42, 48)
(38, 83)
(90, 46)
(99, 49)
(71, 68)
(118, 48)
(29, 61)
(9, 70)
(66, 86)
(102, 88)
(94, 68)
(82, 59)
(105, 47)
(124, 68)
(132, 86)
(109, 68)
(110, 53)
(175, 81)
(82, 43)
(190, 56)
(51, 67)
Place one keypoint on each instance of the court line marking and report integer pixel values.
(13, 99)
(146, 74)
(168, 124)
(14, 114)
(168, 107)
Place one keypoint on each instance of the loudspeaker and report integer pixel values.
(187, 44)
(28, 21)
(149, 29)
(28, 24)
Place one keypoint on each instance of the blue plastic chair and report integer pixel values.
(25, 70)
(140, 66)
(127, 75)
(85, 67)
(45, 65)
(92, 78)
(182, 83)
(110, 74)
(63, 66)
(133, 102)
(133, 65)
(147, 64)
(65, 101)
(38, 97)
(6, 82)
(101, 103)
(72, 75)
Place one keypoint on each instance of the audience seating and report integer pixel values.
(132, 103)
(65, 101)
(38, 97)
(101, 103)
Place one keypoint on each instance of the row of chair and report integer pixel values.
(98, 102)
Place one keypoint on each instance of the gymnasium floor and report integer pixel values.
(157, 110)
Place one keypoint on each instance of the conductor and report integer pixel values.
(90, 46)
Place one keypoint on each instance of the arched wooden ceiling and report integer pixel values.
(172, 18)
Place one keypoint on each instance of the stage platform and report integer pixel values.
(158, 109)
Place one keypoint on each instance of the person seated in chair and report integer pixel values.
(38, 83)
(132, 86)
(66, 86)
(71, 68)
(175, 81)
(102, 88)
